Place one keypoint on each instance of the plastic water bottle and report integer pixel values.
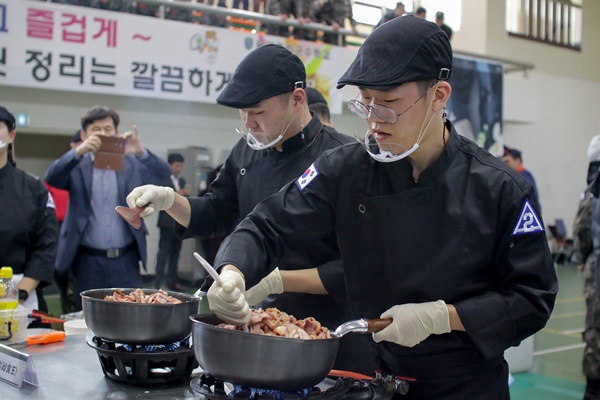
(9, 294)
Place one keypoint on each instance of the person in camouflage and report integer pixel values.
(302, 10)
(587, 227)
(334, 13)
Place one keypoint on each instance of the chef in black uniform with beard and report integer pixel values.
(435, 233)
(281, 141)
(28, 225)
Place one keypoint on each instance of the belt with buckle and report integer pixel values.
(108, 253)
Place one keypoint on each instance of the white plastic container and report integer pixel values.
(13, 325)
(76, 327)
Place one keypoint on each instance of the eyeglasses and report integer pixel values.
(382, 112)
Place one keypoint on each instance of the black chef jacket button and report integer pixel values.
(512, 244)
(362, 208)
(243, 171)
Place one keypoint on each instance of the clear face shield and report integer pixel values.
(260, 140)
(255, 142)
(4, 141)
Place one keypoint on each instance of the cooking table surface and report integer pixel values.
(72, 370)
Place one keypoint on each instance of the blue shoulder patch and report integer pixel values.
(528, 221)
(50, 202)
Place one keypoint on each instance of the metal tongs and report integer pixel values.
(215, 275)
(45, 318)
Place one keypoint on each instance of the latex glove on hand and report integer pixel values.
(413, 323)
(228, 301)
(153, 198)
(270, 284)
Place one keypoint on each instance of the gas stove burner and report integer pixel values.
(145, 365)
(210, 388)
(140, 348)
(344, 388)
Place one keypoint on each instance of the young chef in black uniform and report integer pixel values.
(434, 232)
(28, 225)
(283, 138)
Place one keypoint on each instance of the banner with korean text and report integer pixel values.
(54, 46)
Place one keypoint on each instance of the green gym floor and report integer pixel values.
(558, 348)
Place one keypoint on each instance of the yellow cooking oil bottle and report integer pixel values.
(9, 299)
(9, 294)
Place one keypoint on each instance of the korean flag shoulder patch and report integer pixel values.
(307, 177)
(528, 221)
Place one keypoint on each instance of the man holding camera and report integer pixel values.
(95, 243)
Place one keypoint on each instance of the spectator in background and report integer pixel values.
(148, 10)
(211, 19)
(514, 159)
(391, 14)
(111, 5)
(169, 245)
(99, 247)
(587, 234)
(28, 227)
(236, 4)
(318, 104)
(256, 5)
(439, 20)
(179, 14)
(302, 10)
(61, 201)
(61, 197)
(334, 13)
(421, 13)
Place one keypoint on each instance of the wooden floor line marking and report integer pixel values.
(571, 331)
(559, 349)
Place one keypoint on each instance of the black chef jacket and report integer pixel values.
(460, 234)
(248, 177)
(28, 226)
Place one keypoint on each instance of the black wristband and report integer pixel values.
(23, 295)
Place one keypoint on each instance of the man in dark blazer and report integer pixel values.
(100, 248)
(169, 245)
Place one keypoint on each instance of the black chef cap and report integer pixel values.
(267, 71)
(8, 118)
(313, 96)
(405, 49)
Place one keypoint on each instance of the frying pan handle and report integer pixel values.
(378, 324)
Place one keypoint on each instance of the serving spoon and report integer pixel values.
(214, 274)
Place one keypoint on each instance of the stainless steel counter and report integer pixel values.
(72, 370)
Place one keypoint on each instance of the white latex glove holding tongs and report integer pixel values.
(153, 198)
(227, 300)
(413, 323)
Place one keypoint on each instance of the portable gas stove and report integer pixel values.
(332, 388)
(145, 364)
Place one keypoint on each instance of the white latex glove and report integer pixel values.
(153, 198)
(413, 323)
(228, 301)
(270, 284)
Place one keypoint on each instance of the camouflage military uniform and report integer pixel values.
(335, 11)
(587, 251)
(584, 255)
(295, 8)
